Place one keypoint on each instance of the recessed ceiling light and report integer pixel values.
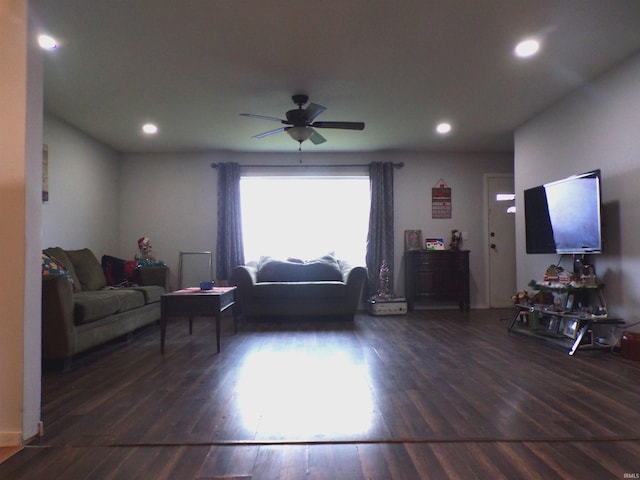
(443, 128)
(47, 42)
(150, 128)
(527, 48)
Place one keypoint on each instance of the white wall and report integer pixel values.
(171, 198)
(82, 210)
(596, 127)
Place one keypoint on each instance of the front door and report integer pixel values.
(501, 241)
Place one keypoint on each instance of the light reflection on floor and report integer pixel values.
(302, 394)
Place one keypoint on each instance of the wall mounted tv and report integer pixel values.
(564, 216)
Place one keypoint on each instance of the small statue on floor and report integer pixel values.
(384, 283)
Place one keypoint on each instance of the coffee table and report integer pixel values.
(192, 302)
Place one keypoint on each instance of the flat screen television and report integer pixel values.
(564, 216)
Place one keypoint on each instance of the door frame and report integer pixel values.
(485, 231)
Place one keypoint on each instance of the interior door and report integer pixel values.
(501, 241)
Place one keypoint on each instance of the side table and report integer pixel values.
(192, 302)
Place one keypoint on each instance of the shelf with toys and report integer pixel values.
(568, 310)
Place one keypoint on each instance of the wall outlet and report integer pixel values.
(465, 235)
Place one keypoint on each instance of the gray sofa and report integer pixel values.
(79, 310)
(322, 287)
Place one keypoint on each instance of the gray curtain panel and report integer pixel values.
(230, 252)
(380, 236)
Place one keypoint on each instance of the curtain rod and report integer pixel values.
(297, 165)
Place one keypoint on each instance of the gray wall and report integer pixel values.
(106, 201)
(84, 187)
(595, 127)
(171, 198)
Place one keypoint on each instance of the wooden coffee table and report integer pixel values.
(192, 302)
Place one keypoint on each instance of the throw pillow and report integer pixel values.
(319, 270)
(51, 266)
(114, 270)
(61, 257)
(88, 269)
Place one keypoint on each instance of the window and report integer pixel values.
(305, 217)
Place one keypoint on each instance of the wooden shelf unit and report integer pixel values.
(436, 276)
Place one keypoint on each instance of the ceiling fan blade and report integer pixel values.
(344, 125)
(263, 117)
(313, 110)
(316, 138)
(270, 132)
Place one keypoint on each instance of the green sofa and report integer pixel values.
(324, 287)
(79, 310)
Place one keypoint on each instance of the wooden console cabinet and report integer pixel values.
(437, 275)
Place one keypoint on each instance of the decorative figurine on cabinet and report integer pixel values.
(144, 249)
(456, 239)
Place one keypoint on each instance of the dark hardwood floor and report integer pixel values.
(429, 395)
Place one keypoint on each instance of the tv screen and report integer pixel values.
(564, 216)
(538, 231)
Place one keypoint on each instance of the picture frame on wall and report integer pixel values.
(412, 240)
(45, 173)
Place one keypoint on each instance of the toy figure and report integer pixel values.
(456, 239)
(144, 246)
(144, 257)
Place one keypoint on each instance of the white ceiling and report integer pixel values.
(192, 66)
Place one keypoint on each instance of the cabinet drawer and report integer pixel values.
(447, 260)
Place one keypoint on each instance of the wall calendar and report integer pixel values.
(441, 200)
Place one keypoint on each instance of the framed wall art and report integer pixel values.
(45, 173)
(412, 240)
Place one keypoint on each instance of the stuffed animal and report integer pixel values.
(144, 258)
(522, 297)
(144, 247)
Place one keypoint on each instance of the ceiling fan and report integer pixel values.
(300, 121)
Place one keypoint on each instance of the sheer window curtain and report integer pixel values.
(381, 235)
(229, 252)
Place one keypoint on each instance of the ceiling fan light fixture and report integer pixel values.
(300, 134)
(301, 123)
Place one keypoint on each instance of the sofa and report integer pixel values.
(80, 310)
(321, 287)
